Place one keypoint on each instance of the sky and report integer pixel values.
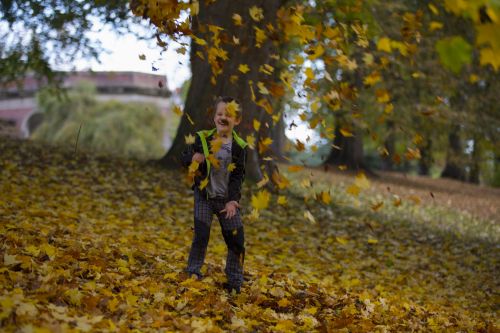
(123, 53)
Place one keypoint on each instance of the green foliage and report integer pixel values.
(454, 53)
(130, 129)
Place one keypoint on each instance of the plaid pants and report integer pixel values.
(232, 231)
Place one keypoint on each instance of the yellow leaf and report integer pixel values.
(361, 181)
(382, 95)
(199, 41)
(284, 302)
(341, 240)
(256, 13)
(373, 78)
(315, 52)
(325, 197)
(237, 20)
(415, 199)
(74, 296)
(433, 9)
(388, 108)
(32, 250)
(368, 59)
(342, 167)
(435, 25)
(193, 167)
(215, 144)
(261, 200)
(353, 190)
(372, 240)
(232, 109)
(281, 181)
(295, 168)
(263, 181)
(488, 56)
(384, 44)
(299, 145)
(189, 139)
(284, 325)
(231, 167)
(264, 144)
(250, 139)
(282, 200)
(214, 161)
(262, 88)
(244, 68)
(131, 299)
(49, 250)
(377, 206)
(112, 304)
(260, 37)
(203, 183)
(256, 124)
(346, 132)
(177, 110)
(473, 78)
(309, 217)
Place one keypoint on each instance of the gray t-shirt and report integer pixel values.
(219, 177)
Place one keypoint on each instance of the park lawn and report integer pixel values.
(93, 243)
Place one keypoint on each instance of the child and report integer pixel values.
(221, 155)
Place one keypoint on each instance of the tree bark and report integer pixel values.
(389, 143)
(453, 168)
(202, 92)
(425, 162)
(349, 151)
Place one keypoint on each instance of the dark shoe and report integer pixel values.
(229, 288)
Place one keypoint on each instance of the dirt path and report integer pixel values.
(479, 201)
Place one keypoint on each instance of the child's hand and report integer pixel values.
(200, 158)
(230, 209)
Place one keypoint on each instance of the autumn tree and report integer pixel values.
(35, 35)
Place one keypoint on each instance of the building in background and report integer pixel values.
(18, 108)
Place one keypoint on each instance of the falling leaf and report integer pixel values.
(346, 132)
(190, 139)
(261, 200)
(256, 13)
(238, 21)
(142, 57)
(384, 44)
(282, 200)
(262, 88)
(244, 68)
(309, 217)
(256, 124)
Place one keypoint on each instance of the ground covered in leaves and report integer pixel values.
(91, 243)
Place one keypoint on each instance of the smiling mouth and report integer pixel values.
(223, 122)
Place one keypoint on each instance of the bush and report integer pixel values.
(131, 129)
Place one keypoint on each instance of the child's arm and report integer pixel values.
(191, 150)
(236, 177)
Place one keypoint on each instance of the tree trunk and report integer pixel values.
(453, 168)
(347, 151)
(389, 143)
(425, 162)
(202, 92)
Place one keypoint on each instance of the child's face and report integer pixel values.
(223, 120)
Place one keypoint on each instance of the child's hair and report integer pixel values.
(228, 99)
